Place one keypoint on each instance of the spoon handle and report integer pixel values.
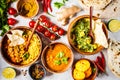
(91, 9)
(30, 37)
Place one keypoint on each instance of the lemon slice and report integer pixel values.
(9, 73)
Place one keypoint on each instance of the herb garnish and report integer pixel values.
(60, 4)
(61, 58)
(4, 4)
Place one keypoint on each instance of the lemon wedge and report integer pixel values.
(9, 73)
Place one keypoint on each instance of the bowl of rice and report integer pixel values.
(13, 47)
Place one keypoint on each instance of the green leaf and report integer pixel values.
(6, 27)
(60, 54)
(1, 12)
(64, 1)
(57, 62)
(26, 55)
(64, 60)
(58, 4)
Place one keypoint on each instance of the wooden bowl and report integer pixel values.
(5, 53)
(70, 39)
(54, 51)
(27, 8)
(93, 66)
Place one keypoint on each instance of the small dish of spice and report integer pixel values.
(37, 72)
(27, 8)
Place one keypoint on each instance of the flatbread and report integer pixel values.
(97, 4)
(100, 37)
(16, 37)
(114, 57)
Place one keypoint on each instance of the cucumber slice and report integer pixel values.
(114, 25)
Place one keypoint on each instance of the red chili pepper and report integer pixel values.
(103, 59)
(100, 61)
(49, 5)
(45, 6)
(99, 67)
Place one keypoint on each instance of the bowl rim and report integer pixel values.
(91, 62)
(38, 8)
(33, 66)
(25, 65)
(71, 42)
(45, 64)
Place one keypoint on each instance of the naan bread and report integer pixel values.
(114, 57)
(100, 37)
(16, 37)
(97, 4)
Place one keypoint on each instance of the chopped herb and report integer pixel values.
(64, 1)
(57, 62)
(58, 5)
(60, 55)
(4, 4)
(26, 55)
(65, 60)
(93, 70)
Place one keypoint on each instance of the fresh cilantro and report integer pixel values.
(26, 55)
(65, 60)
(4, 4)
(57, 62)
(58, 4)
(64, 1)
(60, 54)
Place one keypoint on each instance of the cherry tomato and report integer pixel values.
(47, 33)
(55, 28)
(61, 32)
(43, 18)
(12, 11)
(11, 21)
(40, 28)
(32, 23)
(47, 23)
(52, 36)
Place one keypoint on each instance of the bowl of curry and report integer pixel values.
(27, 8)
(79, 39)
(57, 57)
(13, 47)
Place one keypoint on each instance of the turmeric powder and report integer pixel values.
(28, 8)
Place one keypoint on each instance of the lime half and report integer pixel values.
(9, 73)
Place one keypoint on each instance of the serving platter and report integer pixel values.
(67, 74)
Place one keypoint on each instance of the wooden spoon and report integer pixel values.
(30, 37)
(90, 32)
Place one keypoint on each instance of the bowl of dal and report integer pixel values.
(79, 39)
(57, 57)
(13, 47)
(27, 8)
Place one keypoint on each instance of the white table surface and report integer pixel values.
(65, 75)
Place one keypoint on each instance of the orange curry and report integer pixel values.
(58, 57)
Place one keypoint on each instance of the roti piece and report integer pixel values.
(114, 57)
(100, 37)
(16, 37)
(97, 4)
